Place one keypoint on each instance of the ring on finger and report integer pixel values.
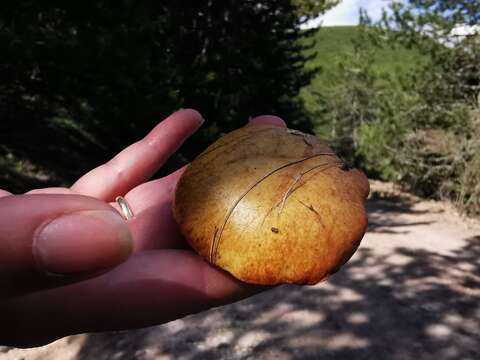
(126, 209)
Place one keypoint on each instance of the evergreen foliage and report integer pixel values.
(419, 128)
(80, 80)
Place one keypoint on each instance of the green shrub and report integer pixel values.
(421, 130)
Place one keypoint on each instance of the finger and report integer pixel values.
(52, 190)
(4, 193)
(268, 120)
(153, 225)
(150, 288)
(138, 162)
(59, 233)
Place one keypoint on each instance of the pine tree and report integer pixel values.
(80, 80)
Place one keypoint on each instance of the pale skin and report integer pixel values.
(70, 262)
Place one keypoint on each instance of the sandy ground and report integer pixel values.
(412, 291)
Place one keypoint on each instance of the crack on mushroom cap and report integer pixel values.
(218, 234)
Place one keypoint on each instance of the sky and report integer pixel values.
(347, 13)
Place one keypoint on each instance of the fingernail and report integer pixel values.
(201, 119)
(82, 241)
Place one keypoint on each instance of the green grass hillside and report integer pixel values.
(335, 45)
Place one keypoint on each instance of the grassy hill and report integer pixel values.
(335, 45)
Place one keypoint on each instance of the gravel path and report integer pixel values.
(412, 291)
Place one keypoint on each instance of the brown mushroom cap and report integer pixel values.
(272, 205)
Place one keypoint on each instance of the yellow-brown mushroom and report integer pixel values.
(272, 205)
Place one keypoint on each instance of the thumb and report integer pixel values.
(61, 234)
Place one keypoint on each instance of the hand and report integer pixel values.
(70, 263)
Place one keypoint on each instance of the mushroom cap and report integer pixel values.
(272, 205)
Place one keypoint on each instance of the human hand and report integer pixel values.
(89, 269)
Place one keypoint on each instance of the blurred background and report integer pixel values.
(393, 85)
(397, 94)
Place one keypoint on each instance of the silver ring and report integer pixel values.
(126, 210)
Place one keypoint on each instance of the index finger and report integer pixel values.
(268, 120)
(138, 162)
(4, 193)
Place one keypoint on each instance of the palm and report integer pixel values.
(163, 279)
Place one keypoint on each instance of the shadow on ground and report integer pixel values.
(385, 213)
(426, 306)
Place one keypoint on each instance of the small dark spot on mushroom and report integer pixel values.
(275, 230)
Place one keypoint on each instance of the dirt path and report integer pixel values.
(412, 291)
